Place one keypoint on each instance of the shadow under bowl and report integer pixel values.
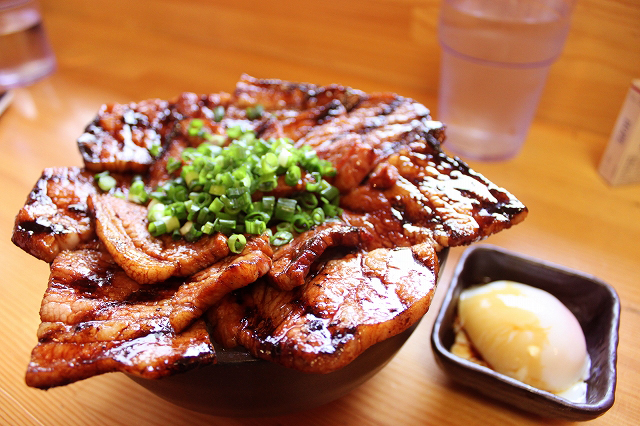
(594, 303)
(239, 385)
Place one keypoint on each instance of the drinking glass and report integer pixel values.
(25, 53)
(496, 56)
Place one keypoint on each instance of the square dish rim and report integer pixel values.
(526, 397)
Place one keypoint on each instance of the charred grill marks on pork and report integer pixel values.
(151, 356)
(352, 303)
(292, 262)
(93, 313)
(121, 300)
(122, 228)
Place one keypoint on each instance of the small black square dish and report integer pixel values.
(594, 303)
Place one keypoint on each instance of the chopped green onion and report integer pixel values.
(137, 192)
(193, 211)
(215, 191)
(179, 210)
(106, 182)
(155, 211)
(196, 123)
(97, 176)
(318, 216)
(284, 157)
(301, 222)
(207, 228)
(217, 140)
(256, 227)
(268, 204)
(225, 225)
(258, 215)
(178, 193)
(216, 205)
(172, 223)
(330, 193)
(186, 228)
(203, 216)
(308, 201)
(268, 183)
(268, 164)
(315, 185)
(285, 209)
(218, 113)
(293, 175)
(281, 238)
(173, 164)
(284, 226)
(154, 150)
(234, 132)
(236, 243)
(193, 234)
(255, 112)
(157, 228)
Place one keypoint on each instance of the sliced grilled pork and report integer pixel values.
(351, 303)
(465, 205)
(292, 262)
(283, 98)
(151, 356)
(122, 228)
(91, 296)
(358, 139)
(120, 136)
(55, 216)
(428, 193)
(94, 313)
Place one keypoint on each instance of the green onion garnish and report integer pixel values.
(105, 181)
(154, 149)
(236, 243)
(255, 112)
(293, 175)
(215, 189)
(137, 192)
(173, 164)
(281, 238)
(218, 113)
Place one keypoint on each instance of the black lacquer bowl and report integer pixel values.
(240, 385)
(594, 303)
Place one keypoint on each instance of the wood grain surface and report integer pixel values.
(120, 51)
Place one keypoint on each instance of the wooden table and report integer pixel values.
(123, 51)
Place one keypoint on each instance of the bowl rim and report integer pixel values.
(564, 408)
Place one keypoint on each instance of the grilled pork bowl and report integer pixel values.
(283, 230)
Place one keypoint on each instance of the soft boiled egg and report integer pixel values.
(527, 334)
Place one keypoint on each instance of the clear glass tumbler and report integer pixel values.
(496, 56)
(25, 53)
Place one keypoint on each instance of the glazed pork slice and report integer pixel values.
(121, 135)
(351, 303)
(93, 310)
(421, 193)
(56, 216)
(293, 261)
(377, 127)
(285, 99)
(119, 138)
(122, 227)
(152, 356)
(294, 109)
